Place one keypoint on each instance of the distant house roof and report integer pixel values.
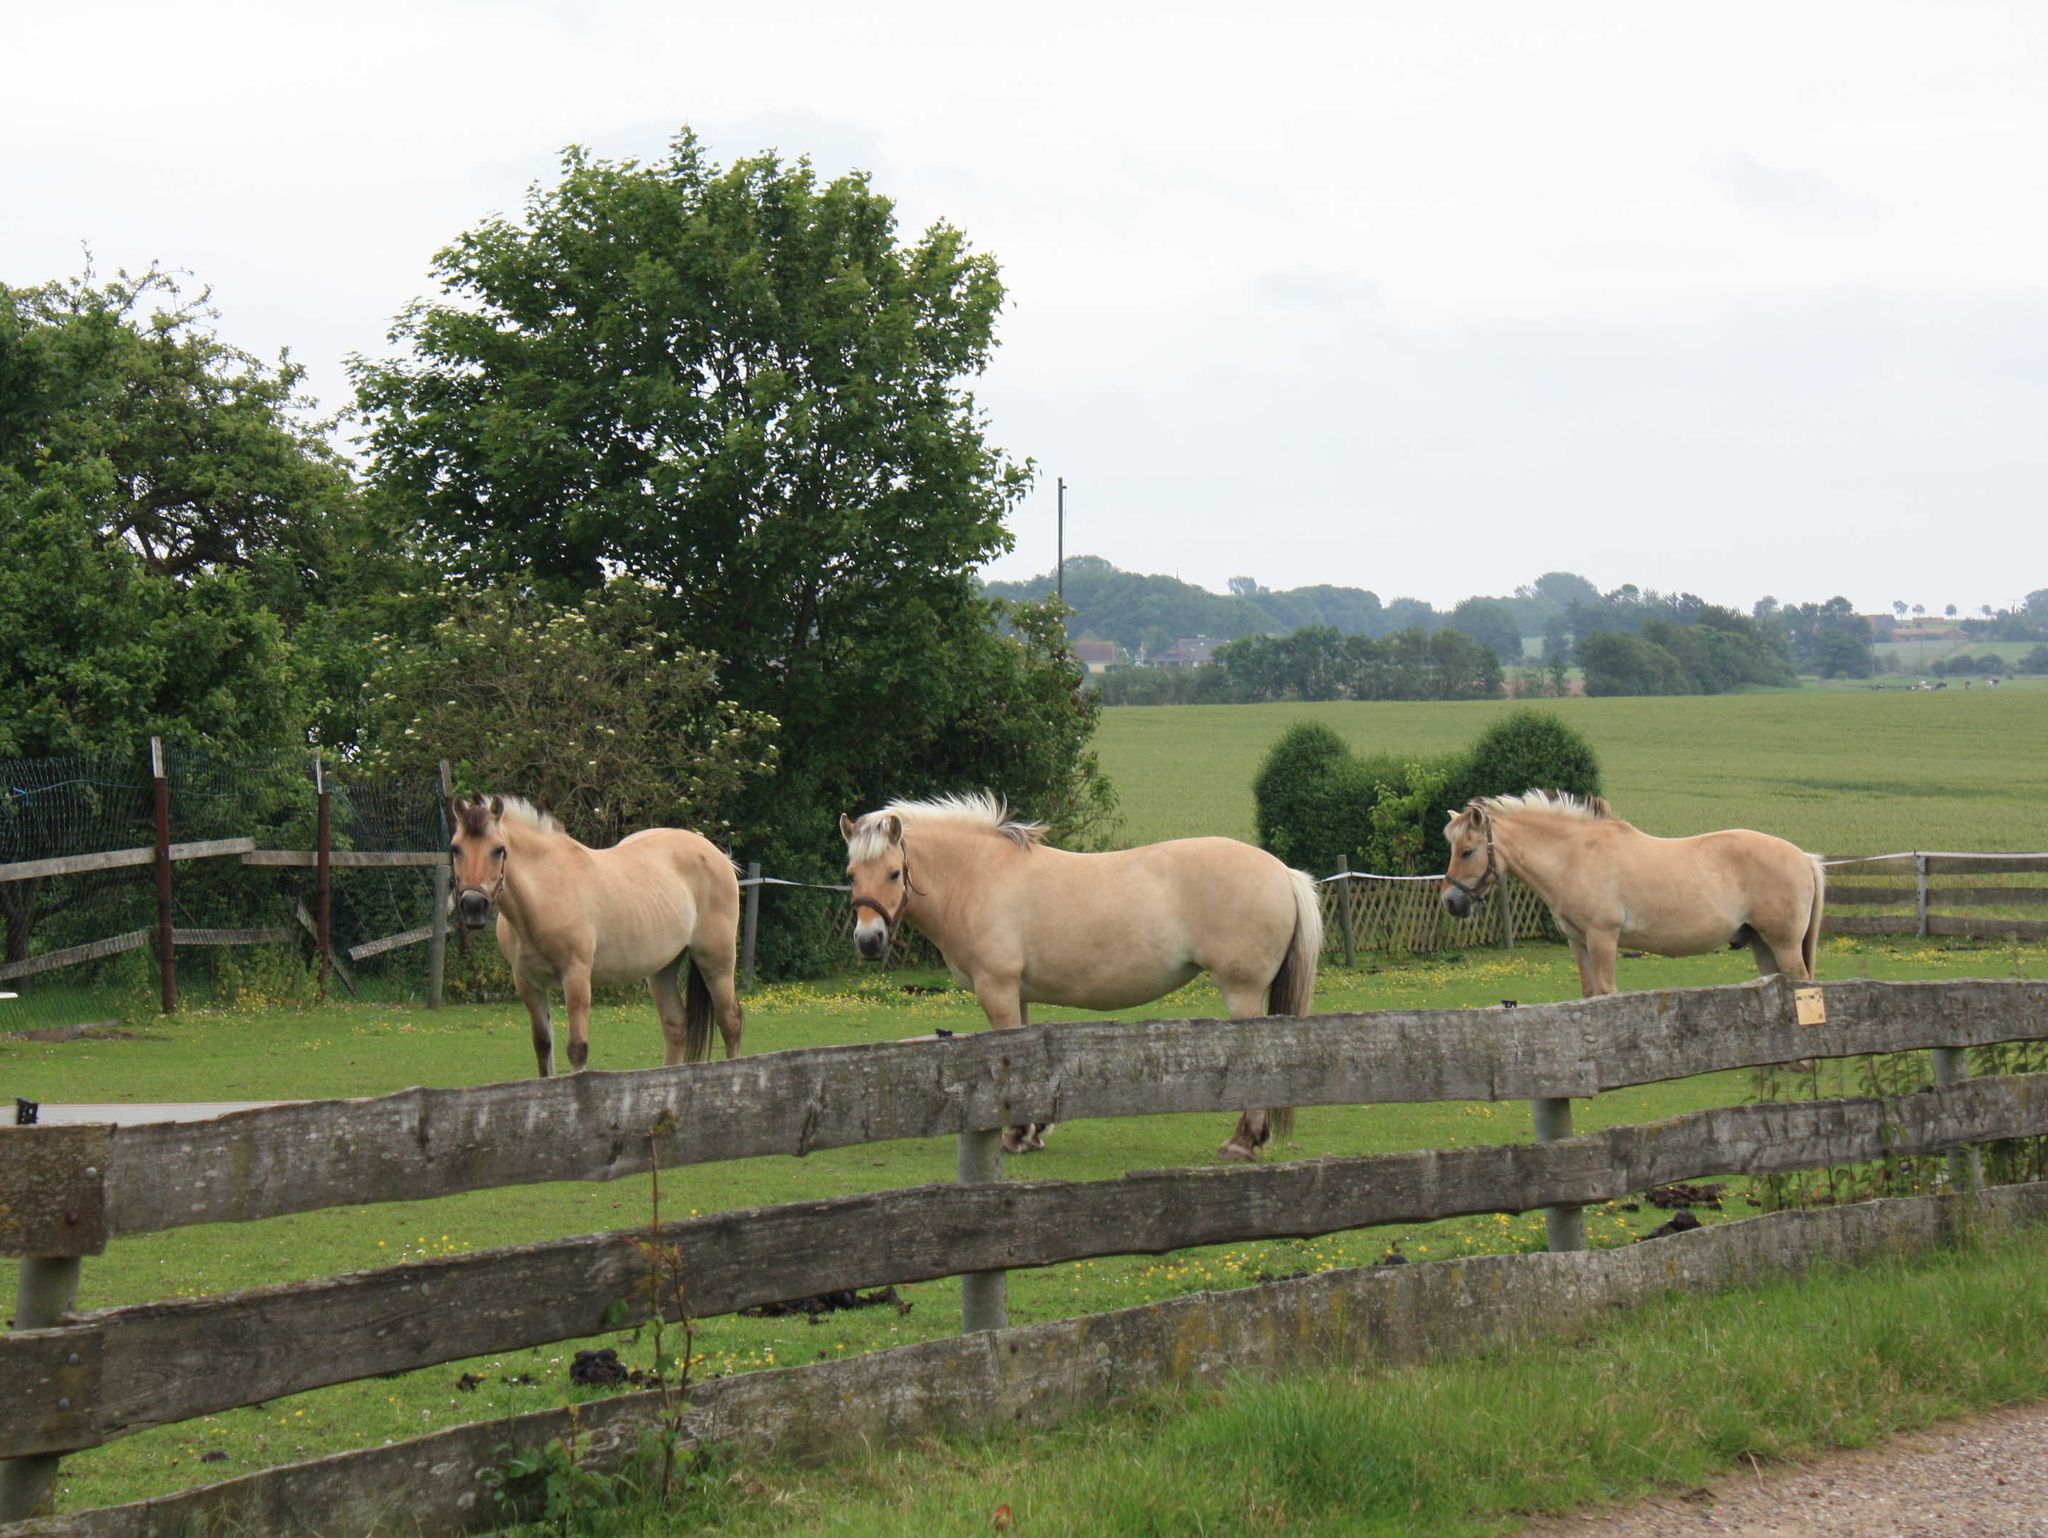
(1096, 656)
(1187, 652)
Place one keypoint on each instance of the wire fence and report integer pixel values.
(81, 923)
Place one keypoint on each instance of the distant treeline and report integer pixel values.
(1317, 663)
(1344, 643)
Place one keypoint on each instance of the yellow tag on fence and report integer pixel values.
(1811, 1005)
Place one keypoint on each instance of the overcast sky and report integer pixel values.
(1739, 299)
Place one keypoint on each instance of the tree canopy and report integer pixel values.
(741, 389)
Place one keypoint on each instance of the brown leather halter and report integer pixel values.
(1488, 879)
(891, 920)
(491, 893)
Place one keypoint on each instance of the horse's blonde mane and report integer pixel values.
(519, 809)
(977, 809)
(1555, 803)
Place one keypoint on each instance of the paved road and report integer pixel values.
(135, 1115)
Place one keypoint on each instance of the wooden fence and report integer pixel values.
(167, 937)
(1401, 914)
(1914, 888)
(77, 1380)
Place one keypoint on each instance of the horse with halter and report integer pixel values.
(656, 905)
(1022, 923)
(1609, 884)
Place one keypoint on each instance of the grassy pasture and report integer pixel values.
(1842, 772)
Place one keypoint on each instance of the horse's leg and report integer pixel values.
(1601, 947)
(1789, 959)
(717, 966)
(1584, 960)
(668, 1007)
(541, 1013)
(1002, 1000)
(576, 993)
(1254, 1126)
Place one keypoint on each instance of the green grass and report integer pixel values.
(1913, 658)
(1664, 1399)
(1844, 772)
(338, 1050)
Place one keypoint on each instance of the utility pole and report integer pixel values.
(1061, 579)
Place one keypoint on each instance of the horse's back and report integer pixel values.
(1158, 911)
(657, 893)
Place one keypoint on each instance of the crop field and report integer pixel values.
(1850, 771)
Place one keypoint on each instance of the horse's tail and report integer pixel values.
(696, 1014)
(1293, 989)
(1809, 944)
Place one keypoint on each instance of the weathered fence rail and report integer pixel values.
(1939, 881)
(80, 1379)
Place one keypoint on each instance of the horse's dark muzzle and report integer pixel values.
(473, 908)
(1457, 904)
(871, 946)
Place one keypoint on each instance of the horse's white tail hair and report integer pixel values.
(1809, 944)
(1293, 989)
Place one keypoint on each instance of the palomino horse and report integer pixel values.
(1021, 923)
(1609, 884)
(656, 903)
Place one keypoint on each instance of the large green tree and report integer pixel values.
(740, 387)
(204, 458)
(165, 512)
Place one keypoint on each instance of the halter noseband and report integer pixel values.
(1488, 878)
(891, 920)
(492, 893)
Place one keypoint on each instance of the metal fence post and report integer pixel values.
(1920, 895)
(45, 1293)
(1965, 1163)
(753, 920)
(166, 947)
(1341, 879)
(437, 937)
(1564, 1227)
(984, 1295)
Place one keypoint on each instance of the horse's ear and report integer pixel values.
(497, 806)
(893, 826)
(846, 827)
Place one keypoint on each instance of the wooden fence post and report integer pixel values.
(1507, 912)
(166, 946)
(1564, 1227)
(753, 920)
(1965, 1164)
(47, 1288)
(1920, 895)
(1342, 881)
(323, 874)
(984, 1295)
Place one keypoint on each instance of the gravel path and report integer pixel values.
(1980, 1478)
